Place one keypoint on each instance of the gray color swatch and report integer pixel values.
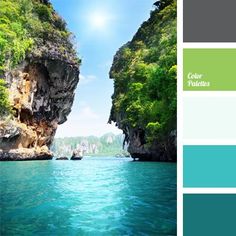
(209, 21)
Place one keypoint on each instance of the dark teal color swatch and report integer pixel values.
(209, 166)
(209, 215)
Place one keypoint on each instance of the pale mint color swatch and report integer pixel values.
(209, 118)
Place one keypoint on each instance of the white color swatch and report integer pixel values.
(209, 117)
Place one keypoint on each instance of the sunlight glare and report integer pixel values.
(99, 20)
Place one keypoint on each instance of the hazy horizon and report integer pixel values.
(92, 135)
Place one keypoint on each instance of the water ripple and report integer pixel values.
(90, 197)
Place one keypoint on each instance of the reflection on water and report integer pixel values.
(95, 196)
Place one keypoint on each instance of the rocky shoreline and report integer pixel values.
(25, 154)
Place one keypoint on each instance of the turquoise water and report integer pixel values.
(95, 196)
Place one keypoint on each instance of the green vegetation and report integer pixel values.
(5, 108)
(22, 24)
(30, 26)
(106, 145)
(144, 73)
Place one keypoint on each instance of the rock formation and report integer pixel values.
(41, 93)
(144, 99)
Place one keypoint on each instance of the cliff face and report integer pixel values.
(144, 99)
(41, 93)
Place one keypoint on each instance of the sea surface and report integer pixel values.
(95, 196)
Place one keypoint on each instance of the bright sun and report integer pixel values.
(98, 20)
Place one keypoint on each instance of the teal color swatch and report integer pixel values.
(209, 166)
(209, 215)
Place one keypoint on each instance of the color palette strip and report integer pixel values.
(209, 69)
(209, 214)
(209, 117)
(209, 166)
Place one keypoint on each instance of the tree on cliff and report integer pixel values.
(4, 103)
(28, 23)
(25, 27)
(161, 4)
(144, 73)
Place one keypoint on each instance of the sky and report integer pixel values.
(100, 27)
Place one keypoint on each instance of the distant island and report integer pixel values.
(107, 145)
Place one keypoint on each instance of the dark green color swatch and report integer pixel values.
(209, 69)
(209, 215)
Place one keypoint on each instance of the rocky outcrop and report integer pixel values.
(144, 99)
(62, 159)
(157, 151)
(41, 93)
(138, 147)
(26, 154)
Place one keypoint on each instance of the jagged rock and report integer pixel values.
(8, 131)
(77, 155)
(25, 154)
(62, 158)
(73, 158)
(41, 94)
(157, 151)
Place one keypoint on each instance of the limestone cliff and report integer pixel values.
(144, 99)
(41, 90)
